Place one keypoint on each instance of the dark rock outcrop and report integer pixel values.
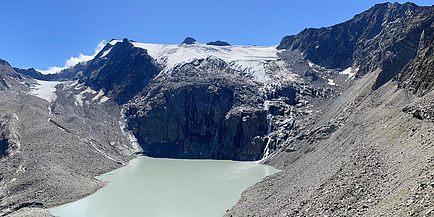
(385, 37)
(121, 73)
(218, 43)
(200, 111)
(4, 143)
(70, 73)
(189, 40)
(10, 79)
(31, 72)
(418, 74)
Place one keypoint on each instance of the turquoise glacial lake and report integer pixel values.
(158, 187)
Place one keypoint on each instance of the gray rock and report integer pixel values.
(189, 40)
(122, 73)
(387, 36)
(218, 43)
(345, 148)
(199, 112)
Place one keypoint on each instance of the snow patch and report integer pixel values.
(350, 72)
(73, 83)
(98, 96)
(249, 59)
(45, 89)
(106, 52)
(310, 64)
(331, 82)
(78, 87)
(113, 42)
(79, 100)
(103, 99)
(88, 90)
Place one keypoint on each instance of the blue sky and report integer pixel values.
(46, 33)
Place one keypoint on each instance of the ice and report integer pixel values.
(45, 89)
(249, 59)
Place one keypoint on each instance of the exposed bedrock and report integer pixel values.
(196, 113)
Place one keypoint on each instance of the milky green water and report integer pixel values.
(169, 188)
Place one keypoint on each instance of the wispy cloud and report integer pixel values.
(72, 61)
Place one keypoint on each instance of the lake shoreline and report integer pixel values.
(135, 160)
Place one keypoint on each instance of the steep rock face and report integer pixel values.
(200, 112)
(4, 66)
(4, 143)
(10, 79)
(31, 72)
(418, 74)
(120, 70)
(199, 106)
(386, 37)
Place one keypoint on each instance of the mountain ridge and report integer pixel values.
(344, 111)
(350, 47)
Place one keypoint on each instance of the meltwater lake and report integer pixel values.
(158, 187)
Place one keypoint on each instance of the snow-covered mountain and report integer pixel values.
(345, 111)
(225, 84)
(251, 60)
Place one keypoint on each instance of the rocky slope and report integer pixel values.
(369, 152)
(387, 37)
(51, 150)
(345, 112)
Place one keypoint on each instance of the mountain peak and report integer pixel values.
(189, 40)
(218, 43)
(4, 62)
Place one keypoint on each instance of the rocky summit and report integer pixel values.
(346, 112)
